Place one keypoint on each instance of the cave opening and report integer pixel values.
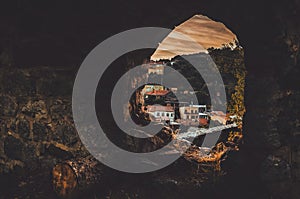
(41, 49)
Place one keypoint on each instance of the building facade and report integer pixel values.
(161, 113)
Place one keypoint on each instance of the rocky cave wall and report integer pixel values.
(36, 119)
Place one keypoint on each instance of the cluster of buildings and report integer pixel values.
(162, 105)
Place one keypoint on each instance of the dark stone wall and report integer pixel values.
(36, 119)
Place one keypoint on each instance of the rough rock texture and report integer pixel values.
(36, 124)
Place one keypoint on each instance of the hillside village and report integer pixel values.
(162, 105)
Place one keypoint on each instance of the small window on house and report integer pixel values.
(167, 114)
(163, 114)
(157, 114)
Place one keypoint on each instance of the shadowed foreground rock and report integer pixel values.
(74, 176)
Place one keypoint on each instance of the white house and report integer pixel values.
(161, 113)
